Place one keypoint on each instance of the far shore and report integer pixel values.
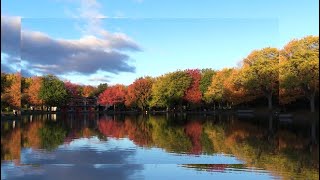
(302, 114)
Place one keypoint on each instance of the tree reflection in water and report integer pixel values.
(264, 143)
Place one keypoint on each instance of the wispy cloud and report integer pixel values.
(91, 19)
(102, 79)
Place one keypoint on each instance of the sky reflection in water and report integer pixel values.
(157, 147)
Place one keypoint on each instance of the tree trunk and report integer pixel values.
(114, 107)
(270, 124)
(312, 103)
(313, 131)
(270, 102)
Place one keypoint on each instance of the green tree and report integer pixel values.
(206, 79)
(53, 91)
(169, 89)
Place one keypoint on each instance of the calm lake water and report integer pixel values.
(93, 146)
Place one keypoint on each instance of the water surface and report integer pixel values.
(93, 146)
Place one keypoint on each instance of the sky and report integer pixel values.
(118, 41)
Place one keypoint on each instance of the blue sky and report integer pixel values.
(134, 38)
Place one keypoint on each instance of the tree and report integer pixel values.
(216, 91)
(25, 83)
(299, 67)
(233, 91)
(100, 88)
(169, 89)
(88, 91)
(113, 95)
(206, 79)
(13, 92)
(52, 91)
(139, 92)
(4, 82)
(73, 90)
(261, 72)
(33, 91)
(193, 93)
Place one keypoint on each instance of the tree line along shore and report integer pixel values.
(276, 79)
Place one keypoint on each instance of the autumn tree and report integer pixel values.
(261, 73)
(88, 91)
(113, 95)
(13, 92)
(234, 92)
(4, 82)
(169, 89)
(53, 91)
(100, 88)
(33, 91)
(73, 90)
(4, 85)
(216, 91)
(193, 93)
(139, 93)
(25, 83)
(299, 67)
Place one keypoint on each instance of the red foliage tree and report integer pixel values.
(193, 93)
(72, 89)
(139, 93)
(113, 95)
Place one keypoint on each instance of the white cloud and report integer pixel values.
(87, 55)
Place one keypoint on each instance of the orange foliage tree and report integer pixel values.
(13, 92)
(33, 91)
(233, 91)
(88, 91)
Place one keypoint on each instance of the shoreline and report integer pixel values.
(240, 113)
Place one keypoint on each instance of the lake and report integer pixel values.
(163, 146)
